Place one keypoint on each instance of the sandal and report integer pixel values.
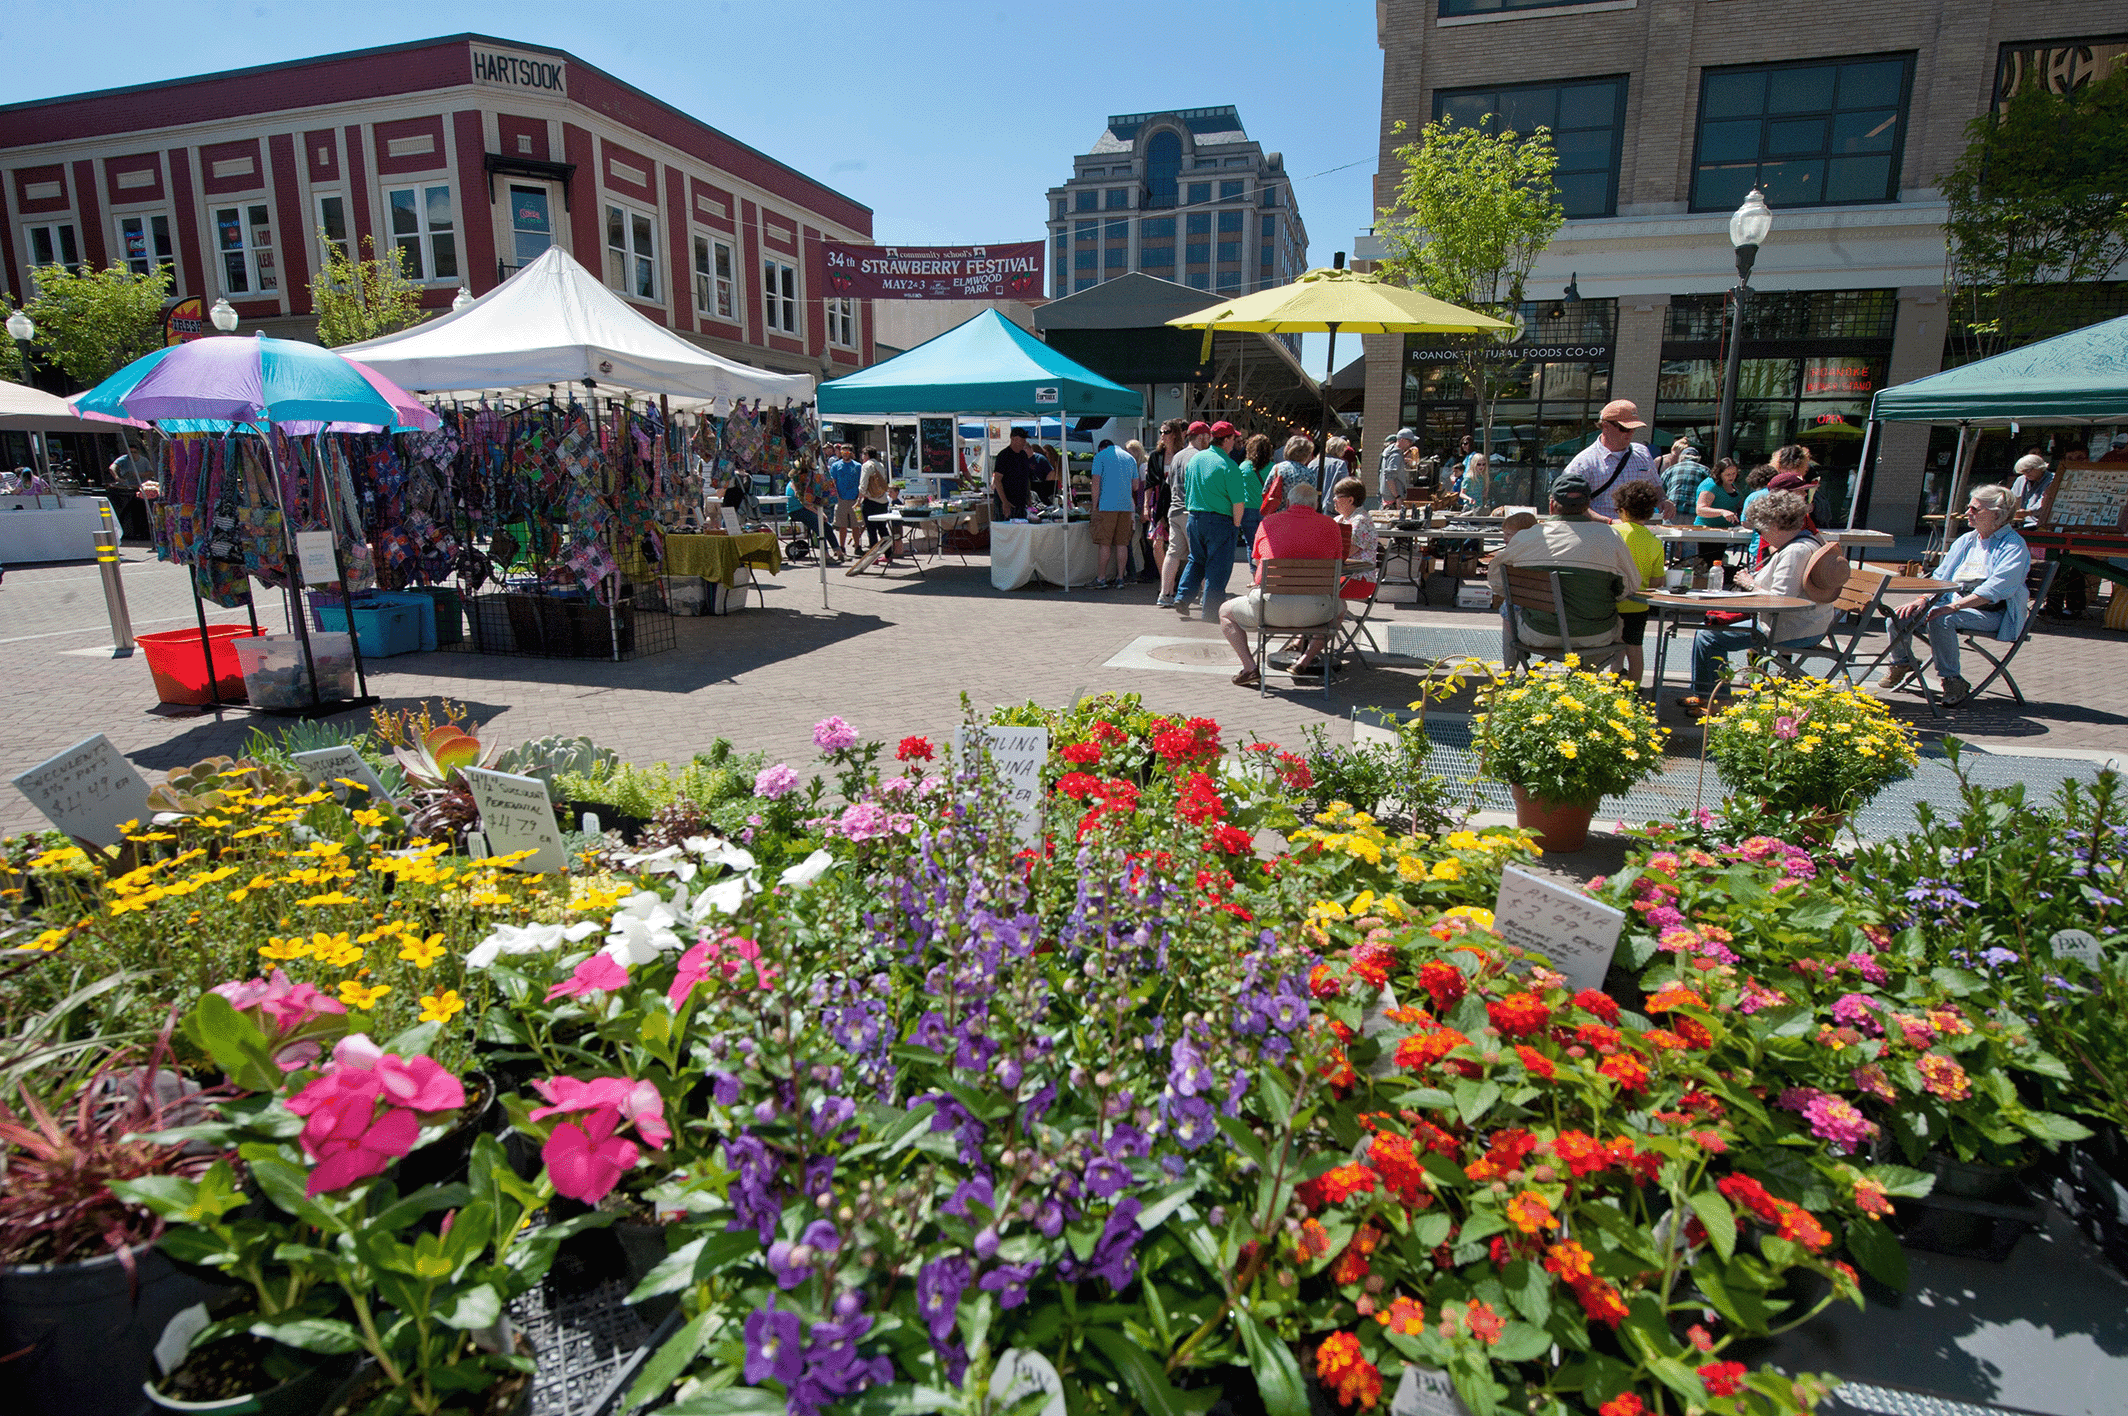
(1247, 678)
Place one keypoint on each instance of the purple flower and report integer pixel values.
(777, 781)
(788, 1271)
(831, 1114)
(931, 1031)
(1237, 1087)
(1289, 1009)
(1187, 1071)
(1997, 956)
(1105, 1177)
(833, 735)
(1192, 1119)
(1010, 1282)
(939, 1285)
(1038, 1105)
(1009, 1072)
(1113, 1258)
(822, 1236)
(753, 1195)
(724, 1088)
(975, 1190)
(772, 1346)
(986, 1242)
(1050, 1219)
(1127, 1142)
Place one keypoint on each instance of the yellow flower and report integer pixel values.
(1391, 907)
(1465, 841)
(1631, 754)
(356, 994)
(1326, 909)
(1356, 846)
(1411, 869)
(1448, 868)
(441, 1007)
(249, 831)
(1568, 750)
(1542, 718)
(331, 897)
(1483, 918)
(48, 941)
(369, 818)
(276, 947)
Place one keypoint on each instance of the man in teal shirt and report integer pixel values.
(1217, 497)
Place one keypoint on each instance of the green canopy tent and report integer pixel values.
(987, 366)
(2078, 377)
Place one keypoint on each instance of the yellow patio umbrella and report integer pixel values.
(1333, 299)
(1830, 425)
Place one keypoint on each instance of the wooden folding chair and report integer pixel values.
(1291, 575)
(1860, 602)
(1535, 588)
(1358, 610)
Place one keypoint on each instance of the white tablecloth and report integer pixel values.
(1055, 553)
(51, 533)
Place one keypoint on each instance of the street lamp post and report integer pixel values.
(22, 329)
(1750, 226)
(224, 316)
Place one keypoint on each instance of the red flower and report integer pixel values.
(1357, 1381)
(1232, 839)
(1342, 1183)
(1601, 1301)
(1108, 734)
(1692, 1032)
(1623, 1404)
(1535, 1063)
(1393, 1159)
(1081, 754)
(1354, 1264)
(1324, 983)
(1598, 1038)
(915, 749)
(1583, 1154)
(1630, 1073)
(1519, 1014)
(1078, 785)
(1444, 981)
(1422, 1049)
(1601, 1005)
(1723, 1378)
(1750, 1194)
(1673, 996)
(1370, 961)
(1505, 1156)
(1485, 1324)
(1199, 802)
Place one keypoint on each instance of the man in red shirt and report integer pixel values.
(1303, 533)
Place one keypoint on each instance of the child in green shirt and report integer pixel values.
(1637, 502)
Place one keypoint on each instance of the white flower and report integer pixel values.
(724, 897)
(527, 939)
(644, 927)
(716, 851)
(806, 871)
(665, 862)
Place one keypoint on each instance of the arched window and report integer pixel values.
(1163, 163)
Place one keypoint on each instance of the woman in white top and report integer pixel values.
(1782, 519)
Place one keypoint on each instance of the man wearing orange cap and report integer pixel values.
(1614, 460)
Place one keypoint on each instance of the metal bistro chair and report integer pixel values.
(1544, 591)
(1290, 575)
(1999, 663)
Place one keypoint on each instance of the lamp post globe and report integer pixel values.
(20, 327)
(465, 298)
(1749, 226)
(224, 316)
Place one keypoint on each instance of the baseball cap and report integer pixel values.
(1224, 429)
(1199, 427)
(1624, 412)
(1571, 487)
(1787, 481)
(1403, 433)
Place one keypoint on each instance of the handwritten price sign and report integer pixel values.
(516, 815)
(87, 790)
(1016, 755)
(1576, 933)
(328, 765)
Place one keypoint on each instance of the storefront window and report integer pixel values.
(244, 239)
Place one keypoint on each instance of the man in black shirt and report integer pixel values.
(1012, 476)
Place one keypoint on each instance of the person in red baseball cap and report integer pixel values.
(1217, 497)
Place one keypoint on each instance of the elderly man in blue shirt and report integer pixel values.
(1986, 568)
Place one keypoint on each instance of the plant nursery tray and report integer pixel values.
(590, 1346)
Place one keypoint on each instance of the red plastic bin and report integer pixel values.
(180, 670)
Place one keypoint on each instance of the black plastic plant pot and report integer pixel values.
(447, 1159)
(80, 1338)
(303, 1394)
(1976, 1211)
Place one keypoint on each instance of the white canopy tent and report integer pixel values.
(555, 324)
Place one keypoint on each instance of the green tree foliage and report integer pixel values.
(365, 299)
(11, 369)
(1473, 210)
(2038, 204)
(92, 323)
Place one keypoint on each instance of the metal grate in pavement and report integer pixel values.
(1433, 642)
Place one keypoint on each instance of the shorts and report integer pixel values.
(1112, 528)
(846, 517)
(1632, 626)
(1284, 611)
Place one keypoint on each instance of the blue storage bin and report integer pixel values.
(424, 609)
(383, 630)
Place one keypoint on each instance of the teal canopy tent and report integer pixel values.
(2078, 377)
(987, 365)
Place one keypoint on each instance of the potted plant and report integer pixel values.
(1812, 751)
(1563, 739)
(84, 1289)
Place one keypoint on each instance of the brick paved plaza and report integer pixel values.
(891, 654)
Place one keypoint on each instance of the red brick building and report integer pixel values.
(469, 154)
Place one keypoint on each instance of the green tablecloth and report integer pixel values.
(712, 557)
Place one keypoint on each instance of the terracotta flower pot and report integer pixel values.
(1560, 825)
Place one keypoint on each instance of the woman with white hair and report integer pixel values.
(2029, 488)
(1985, 569)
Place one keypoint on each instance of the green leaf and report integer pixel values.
(311, 1334)
(1521, 1342)
(1903, 1181)
(738, 1401)
(475, 1307)
(1244, 1140)
(1474, 1099)
(898, 1400)
(1878, 1251)
(2049, 1127)
(421, 1202)
(671, 1359)
(415, 1041)
(1529, 1288)
(1680, 1379)
(1171, 1198)
(1148, 1385)
(1719, 1220)
(1278, 1378)
(1276, 1096)
(170, 1196)
(284, 1185)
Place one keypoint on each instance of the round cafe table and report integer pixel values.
(1671, 608)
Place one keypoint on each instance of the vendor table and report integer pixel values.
(715, 558)
(905, 526)
(34, 528)
(1673, 605)
(1050, 551)
(2092, 550)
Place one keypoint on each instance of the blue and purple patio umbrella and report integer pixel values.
(254, 382)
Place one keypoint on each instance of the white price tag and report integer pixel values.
(731, 521)
(87, 791)
(1426, 1391)
(2080, 945)
(1576, 933)
(322, 767)
(1018, 755)
(516, 815)
(314, 557)
(1020, 1373)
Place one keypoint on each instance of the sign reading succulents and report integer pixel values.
(516, 815)
(89, 790)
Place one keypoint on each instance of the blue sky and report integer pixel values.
(949, 118)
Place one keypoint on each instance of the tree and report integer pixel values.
(2038, 206)
(95, 322)
(11, 369)
(365, 299)
(1473, 211)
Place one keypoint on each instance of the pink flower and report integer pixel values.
(283, 1008)
(635, 1101)
(865, 821)
(1834, 1120)
(1867, 966)
(585, 1162)
(773, 782)
(1757, 996)
(343, 1134)
(1785, 727)
(695, 965)
(418, 1084)
(1858, 1010)
(1870, 1078)
(601, 973)
(833, 735)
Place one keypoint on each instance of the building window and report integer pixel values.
(1204, 162)
(1230, 280)
(1199, 280)
(1119, 231)
(715, 295)
(632, 252)
(244, 239)
(1786, 315)
(1230, 250)
(1163, 161)
(1150, 256)
(1157, 228)
(1229, 191)
(1587, 122)
(1086, 230)
(1061, 207)
(842, 322)
(423, 231)
(1200, 192)
(1827, 134)
(1118, 199)
(1452, 8)
(334, 238)
(144, 244)
(1198, 252)
(779, 283)
(1270, 227)
(1088, 259)
(1117, 258)
(1083, 284)
(1084, 201)
(1230, 223)
(1199, 223)
(54, 244)
(531, 223)
(1270, 196)
(1266, 257)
